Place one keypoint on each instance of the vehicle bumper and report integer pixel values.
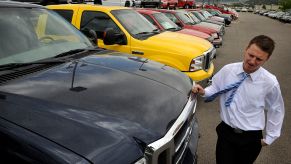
(201, 75)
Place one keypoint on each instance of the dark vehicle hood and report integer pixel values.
(114, 99)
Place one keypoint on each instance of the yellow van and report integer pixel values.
(125, 30)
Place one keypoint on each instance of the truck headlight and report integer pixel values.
(196, 64)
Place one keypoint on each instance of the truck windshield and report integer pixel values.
(135, 24)
(31, 34)
(165, 22)
(184, 18)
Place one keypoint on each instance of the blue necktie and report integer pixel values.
(230, 87)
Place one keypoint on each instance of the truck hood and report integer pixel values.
(215, 27)
(121, 86)
(194, 33)
(98, 103)
(96, 137)
(175, 42)
(206, 30)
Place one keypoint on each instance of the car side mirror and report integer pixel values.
(111, 37)
(179, 24)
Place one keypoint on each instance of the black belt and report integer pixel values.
(237, 130)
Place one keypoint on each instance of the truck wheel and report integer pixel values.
(175, 7)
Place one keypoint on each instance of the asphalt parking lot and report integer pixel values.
(235, 41)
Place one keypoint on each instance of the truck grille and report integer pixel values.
(208, 57)
(171, 148)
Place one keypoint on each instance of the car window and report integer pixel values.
(172, 17)
(194, 18)
(165, 21)
(97, 21)
(185, 18)
(149, 19)
(134, 22)
(67, 14)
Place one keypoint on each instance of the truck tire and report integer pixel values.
(158, 6)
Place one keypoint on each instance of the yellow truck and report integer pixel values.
(125, 30)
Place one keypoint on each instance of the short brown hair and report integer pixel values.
(264, 42)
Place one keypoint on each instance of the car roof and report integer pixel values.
(88, 6)
(18, 4)
(147, 11)
(169, 11)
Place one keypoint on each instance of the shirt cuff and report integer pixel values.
(269, 140)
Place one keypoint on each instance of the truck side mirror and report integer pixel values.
(111, 37)
(91, 35)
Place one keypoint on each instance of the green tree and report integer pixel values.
(286, 4)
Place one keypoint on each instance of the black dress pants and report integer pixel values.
(237, 147)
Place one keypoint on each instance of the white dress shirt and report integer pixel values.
(259, 92)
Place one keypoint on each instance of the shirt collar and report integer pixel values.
(253, 75)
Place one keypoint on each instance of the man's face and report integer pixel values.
(254, 58)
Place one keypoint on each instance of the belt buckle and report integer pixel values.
(237, 130)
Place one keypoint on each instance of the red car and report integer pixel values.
(164, 23)
(160, 3)
(167, 4)
(234, 15)
(186, 4)
(181, 18)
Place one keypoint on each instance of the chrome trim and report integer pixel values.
(208, 57)
(166, 144)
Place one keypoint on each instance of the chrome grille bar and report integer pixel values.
(166, 145)
(208, 57)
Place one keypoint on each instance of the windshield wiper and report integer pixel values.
(156, 31)
(17, 65)
(71, 52)
(76, 52)
(144, 33)
(147, 33)
(173, 29)
(54, 60)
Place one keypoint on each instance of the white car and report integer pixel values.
(132, 3)
(244, 9)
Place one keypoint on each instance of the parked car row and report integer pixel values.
(67, 97)
(279, 15)
(64, 100)
(244, 9)
(168, 4)
(224, 10)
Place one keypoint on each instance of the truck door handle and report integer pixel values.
(137, 52)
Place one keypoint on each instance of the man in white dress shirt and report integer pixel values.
(243, 109)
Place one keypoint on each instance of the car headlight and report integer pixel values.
(141, 161)
(196, 64)
(210, 39)
(214, 35)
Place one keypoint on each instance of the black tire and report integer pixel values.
(158, 6)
